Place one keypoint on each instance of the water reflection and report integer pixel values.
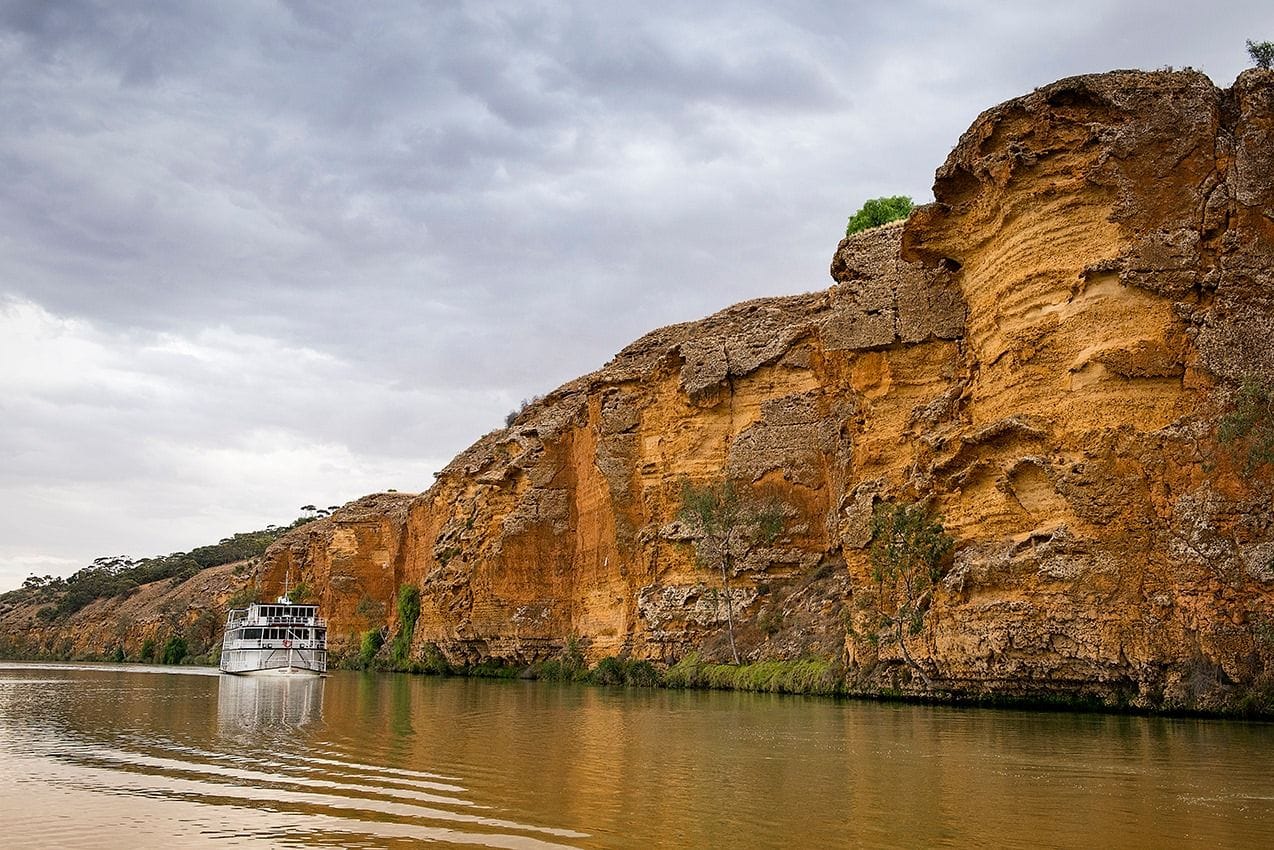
(262, 704)
(381, 760)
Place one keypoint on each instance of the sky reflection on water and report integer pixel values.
(132, 756)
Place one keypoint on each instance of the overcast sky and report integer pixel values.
(255, 255)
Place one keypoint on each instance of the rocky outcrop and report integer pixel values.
(1041, 355)
(563, 524)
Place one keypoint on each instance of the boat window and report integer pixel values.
(252, 634)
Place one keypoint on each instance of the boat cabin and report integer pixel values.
(281, 636)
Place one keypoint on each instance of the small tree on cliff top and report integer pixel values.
(1261, 52)
(907, 552)
(1250, 424)
(728, 527)
(879, 211)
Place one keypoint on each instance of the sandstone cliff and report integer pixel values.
(1042, 354)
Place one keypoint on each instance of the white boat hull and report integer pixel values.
(273, 662)
(278, 671)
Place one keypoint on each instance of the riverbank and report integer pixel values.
(802, 677)
(805, 677)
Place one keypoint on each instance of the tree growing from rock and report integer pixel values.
(408, 614)
(728, 527)
(1261, 52)
(1249, 426)
(879, 211)
(907, 552)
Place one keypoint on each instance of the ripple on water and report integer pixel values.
(104, 757)
(235, 794)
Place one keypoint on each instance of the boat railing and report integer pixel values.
(275, 643)
(320, 622)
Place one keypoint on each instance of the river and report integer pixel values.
(131, 756)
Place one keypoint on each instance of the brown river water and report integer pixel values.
(127, 756)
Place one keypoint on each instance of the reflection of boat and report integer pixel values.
(275, 639)
(257, 704)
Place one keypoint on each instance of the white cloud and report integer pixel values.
(258, 256)
(148, 443)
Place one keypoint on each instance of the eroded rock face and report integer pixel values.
(1114, 247)
(564, 524)
(1042, 354)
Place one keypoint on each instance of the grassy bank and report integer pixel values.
(805, 676)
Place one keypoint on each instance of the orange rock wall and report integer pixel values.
(1042, 355)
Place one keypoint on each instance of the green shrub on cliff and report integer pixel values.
(1249, 426)
(408, 613)
(372, 641)
(568, 666)
(244, 596)
(432, 661)
(175, 650)
(879, 211)
(624, 671)
(727, 526)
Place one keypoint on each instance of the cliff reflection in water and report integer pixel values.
(257, 704)
(121, 756)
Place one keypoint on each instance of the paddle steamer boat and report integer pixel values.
(275, 638)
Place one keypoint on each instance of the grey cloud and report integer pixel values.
(450, 206)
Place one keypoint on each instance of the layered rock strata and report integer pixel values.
(1041, 356)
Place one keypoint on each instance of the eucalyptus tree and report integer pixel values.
(728, 527)
(908, 549)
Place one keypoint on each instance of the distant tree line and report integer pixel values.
(120, 575)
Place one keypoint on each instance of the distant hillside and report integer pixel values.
(122, 608)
